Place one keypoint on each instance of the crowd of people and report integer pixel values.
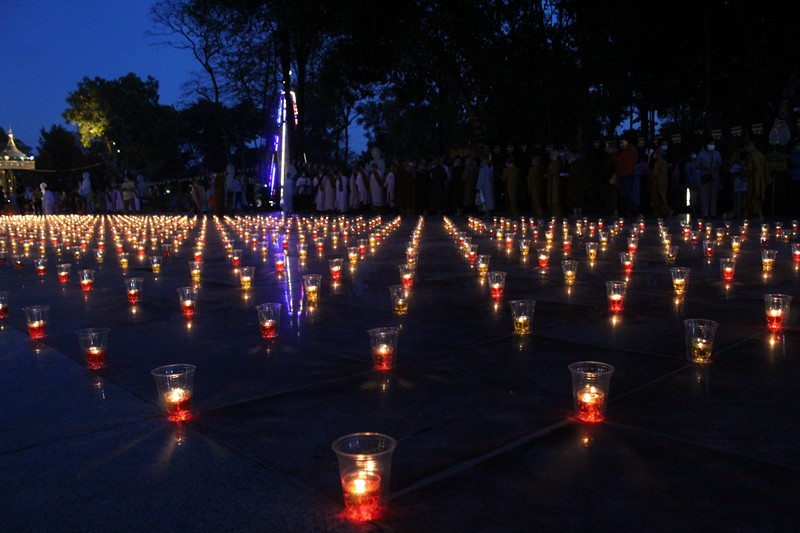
(616, 179)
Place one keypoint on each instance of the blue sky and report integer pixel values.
(48, 46)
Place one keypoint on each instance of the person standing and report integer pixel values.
(535, 185)
(128, 190)
(237, 192)
(389, 183)
(739, 175)
(485, 185)
(553, 176)
(85, 193)
(470, 179)
(756, 168)
(288, 193)
(342, 192)
(48, 200)
(709, 161)
(329, 184)
(456, 196)
(693, 184)
(404, 188)
(421, 180)
(625, 161)
(510, 177)
(376, 188)
(437, 187)
(659, 178)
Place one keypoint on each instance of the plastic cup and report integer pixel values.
(40, 264)
(175, 385)
(543, 256)
(407, 276)
(700, 339)
(133, 286)
(483, 264)
(269, 319)
(497, 281)
(399, 299)
(570, 269)
(62, 270)
(99, 255)
(777, 310)
(335, 266)
(671, 254)
(94, 343)
(590, 384)
(615, 290)
(591, 250)
(187, 297)
(86, 277)
(768, 259)
(383, 342)
(236, 257)
(280, 263)
(196, 270)
(708, 247)
(311, 287)
(155, 263)
(122, 257)
(626, 259)
(302, 250)
(36, 317)
(680, 279)
(522, 315)
(246, 277)
(365, 462)
(727, 268)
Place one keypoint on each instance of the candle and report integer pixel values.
(187, 307)
(95, 357)
(408, 280)
(775, 319)
(246, 281)
(679, 284)
(362, 493)
(279, 265)
(616, 302)
(3, 310)
(497, 290)
(383, 355)
(178, 402)
(522, 325)
(133, 296)
(483, 268)
(590, 404)
(400, 305)
(36, 329)
(336, 272)
(86, 285)
(269, 329)
(701, 350)
(41, 269)
(543, 260)
(767, 263)
(569, 277)
(627, 267)
(727, 273)
(236, 261)
(312, 292)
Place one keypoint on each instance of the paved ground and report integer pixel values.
(482, 417)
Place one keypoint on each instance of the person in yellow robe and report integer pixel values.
(535, 185)
(756, 166)
(659, 179)
(553, 176)
(510, 177)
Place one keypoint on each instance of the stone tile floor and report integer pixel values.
(482, 417)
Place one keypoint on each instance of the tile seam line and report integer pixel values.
(464, 465)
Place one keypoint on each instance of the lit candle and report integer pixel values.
(336, 272)
(775, 319)
(362, 493)
(497, 290)
(408, 280)
(400, 305)
(95, 357)
(246, 281)
(86, 285)
(36, 329)
(312, 292)
(383, 355)
(269, 329)
(569, 277)
(544, 258)
(727, 273)
(701, 350)
(522, 325)
(590, 404)
(178, 402)
(3, 310)
(616, 302)
(133, 296)
(679, 284)
(187, 307)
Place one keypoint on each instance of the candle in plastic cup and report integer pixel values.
(483, 264)
(99, 254)
(680, 279)
(311, 287)
(727, 268)
(166, 249)
(94, 343)
(236, 257)
(269, 319)
(3, 304)
(590, 385)
(700, 339)
(246, 277)
(175, 386)
(133, 286)
(155, 263)
(615, 291)
(777, 310)
(86, 278)
(543, 255)
(365, 461)
(708, 247)
(796, 252)
(399, 299)
(352, 254)
(36, 317)
(187, 298)
(736, 243)
(335, 266)
(41, 266)
(196, 270)
(62, 270)
(671, 254)
(591, 251)
(768, 259)
(626, 259)
(122, 257)
(302, 250)
(570, 269)
(522, 315)
(407, 276)
(497, 281)
(280, 263)
(383, 342)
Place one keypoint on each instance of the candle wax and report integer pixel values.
(178, 402)
(775, 319)
(269, 329)
(362, 492)
(383, 355)
(616, 302)
(590, 402)
(187, 307)
(36, 329)
(95, 357)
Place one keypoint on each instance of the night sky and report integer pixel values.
(48, 46)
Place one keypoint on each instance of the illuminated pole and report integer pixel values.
(283, 143)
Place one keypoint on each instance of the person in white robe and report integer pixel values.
(329, 183)
(342, 192)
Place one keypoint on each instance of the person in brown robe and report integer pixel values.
(535, 185)
(756, 167)
(553, 176)
(404, 188)
(659, 179)
(510, 177)
(470, 179)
